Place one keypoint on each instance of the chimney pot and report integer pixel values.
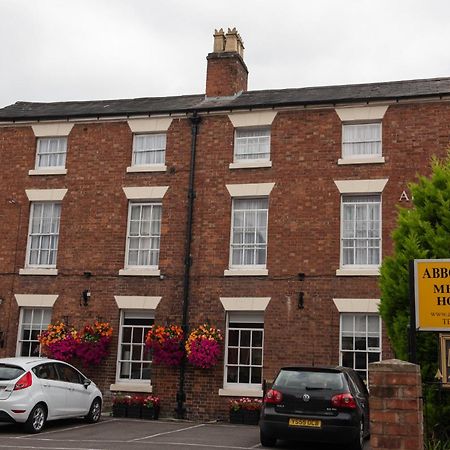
(231, 41)
(219, 41)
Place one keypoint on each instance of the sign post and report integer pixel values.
(412, 315)
(445, 360)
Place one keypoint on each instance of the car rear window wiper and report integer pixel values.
(316, 388)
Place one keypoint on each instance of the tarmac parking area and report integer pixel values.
(129, 434)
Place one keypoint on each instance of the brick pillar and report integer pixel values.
(396, 419)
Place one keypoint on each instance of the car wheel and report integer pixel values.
(267, 440)
(95, 411)
(359, 441)
(36, 420)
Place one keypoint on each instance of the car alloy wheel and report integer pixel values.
(95, 411)
(267, 440)
(359, 442)
(36, 419)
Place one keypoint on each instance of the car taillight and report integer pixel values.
(273, 397)
(24, 382)
(345, 400)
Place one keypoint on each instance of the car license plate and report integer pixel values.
(309, 423)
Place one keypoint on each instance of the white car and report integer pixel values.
(34, 390)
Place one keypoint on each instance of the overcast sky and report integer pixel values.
(57, 50)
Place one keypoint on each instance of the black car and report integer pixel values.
(316, 404)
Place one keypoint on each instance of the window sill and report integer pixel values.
(358, 272)
(246, 273)
(376, 160)
(147, 168)
(131, 387)
(38, 271)
(144, 272)
(250, 164)
(240, 392)
(47, 172)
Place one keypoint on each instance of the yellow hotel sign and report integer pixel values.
(432, 294)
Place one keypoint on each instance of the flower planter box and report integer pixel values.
(150, 413)
(119, 410)
(251, 417)
(236, 416)
(247, 417)
(134, 411)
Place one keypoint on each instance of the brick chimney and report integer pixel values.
(227, 73)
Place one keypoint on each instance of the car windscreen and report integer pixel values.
(10, 372)
(309, 380)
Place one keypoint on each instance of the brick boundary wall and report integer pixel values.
(396, 408)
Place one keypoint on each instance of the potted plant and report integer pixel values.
(150, 407)
(166, 344)
(245, 410)
(135, 406)
(251, 408)
(236, 415)
(203, 346)
(120, 405)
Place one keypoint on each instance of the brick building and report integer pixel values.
(265, 213)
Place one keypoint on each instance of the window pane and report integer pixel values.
(244, 352)
(252, 144)
(51, 152)
(361, 230)
(256, 375)
(33, 322)
(43, 234)
(249, 232)
(365, 344)
(361, 140)
(149, 149)
(244, 374)
(143, 240)
(134, 360)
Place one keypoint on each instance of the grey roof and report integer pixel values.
(392, 90)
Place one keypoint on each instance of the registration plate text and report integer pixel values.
(309, 423)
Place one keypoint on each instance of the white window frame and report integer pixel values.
(61, 150)
(42, 326)
(28, 263)
(249, 317)
(363, 156)
(248, 266)
(134, 314)
(368, 349)
(155, 149)
(360, 266)
(245, 140)
(127, 250)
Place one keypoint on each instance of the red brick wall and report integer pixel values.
(396, 409)
(304, 224)
(226, 74)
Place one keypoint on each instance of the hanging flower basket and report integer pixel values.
(203, 346)
(166, 344)
(90, 346)
(59, 342)
(94, 343)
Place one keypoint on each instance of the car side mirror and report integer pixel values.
(86, 382)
